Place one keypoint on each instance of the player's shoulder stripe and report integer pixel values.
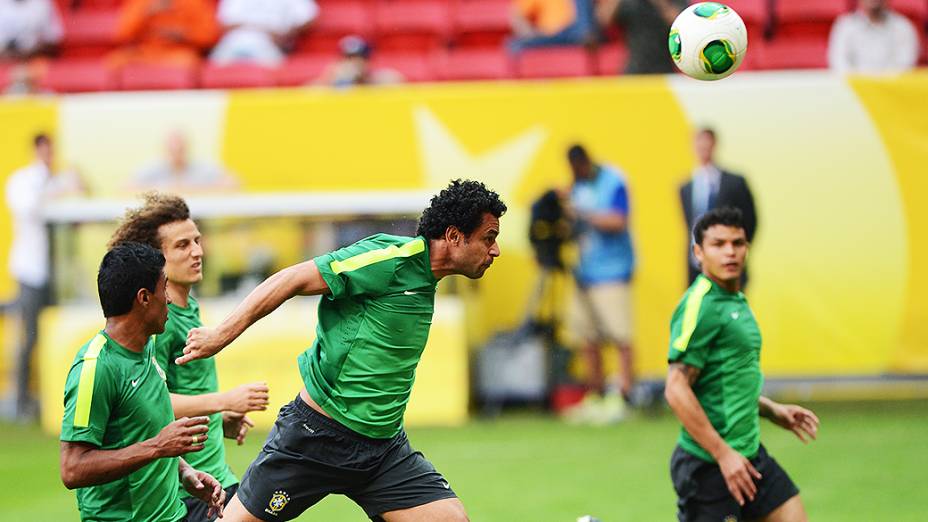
(691, 312)
(408, 249)
(85, 384)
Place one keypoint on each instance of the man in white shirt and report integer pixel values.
(28, 28)
(27, 191)
(261, 31)
(872, 39)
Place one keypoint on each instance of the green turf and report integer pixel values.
(867, 465)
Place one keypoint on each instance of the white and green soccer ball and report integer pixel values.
(708, 41)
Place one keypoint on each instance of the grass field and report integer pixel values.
(868, 465)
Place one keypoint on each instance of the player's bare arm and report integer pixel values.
(241, 399)
(203, 486)
(300, 279)
(796, 419)
(84, 465)
(738, 472)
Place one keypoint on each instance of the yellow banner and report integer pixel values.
(836, 167)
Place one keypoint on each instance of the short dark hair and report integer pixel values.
(577, 153)
(709, 131)
(127, 268)
(728, 216)
(41, 139)
(462, 205)
(140, 225)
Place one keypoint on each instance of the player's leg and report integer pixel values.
(236, 512)
(446, 510)
(405, 487)
(791, 511)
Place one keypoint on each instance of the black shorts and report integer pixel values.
(702, 495)
(197, 509)
(308, 456)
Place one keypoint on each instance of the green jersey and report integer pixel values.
(371, 332)
(194, 378)
(115, 398)
(715, 330)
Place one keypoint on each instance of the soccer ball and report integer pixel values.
(708, 41)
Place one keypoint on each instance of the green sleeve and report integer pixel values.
(364, 268)
(162, 349)
(89, 395)
(693, 330)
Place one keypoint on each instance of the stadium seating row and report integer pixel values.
(432, 40)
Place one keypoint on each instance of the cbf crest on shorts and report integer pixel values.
(278, 502)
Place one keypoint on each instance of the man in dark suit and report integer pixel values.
(711, 187)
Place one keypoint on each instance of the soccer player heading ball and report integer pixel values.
(344, 432)
(720, 469)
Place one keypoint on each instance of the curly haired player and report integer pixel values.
(344, 432)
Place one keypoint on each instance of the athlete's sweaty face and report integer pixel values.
(475, 252)
(183, 254)
(722, 252)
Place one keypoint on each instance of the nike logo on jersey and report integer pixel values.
(735, 316)
(135, 383)
(407, 292)
(445, 485)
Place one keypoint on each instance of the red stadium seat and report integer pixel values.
(791, 53)
(236, 76)
(474, 64)
(755, 13)
(336, 20)
(141, 77)
(89, 33)
(554, 62)
(303, 69)
(481, 23)
(804, 18)
(92, 4)
(78, 75)
(611, 59)
(414, 67)
(411, 25)
(5, 68)
(914, 10)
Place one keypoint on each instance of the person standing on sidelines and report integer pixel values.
(601, 312)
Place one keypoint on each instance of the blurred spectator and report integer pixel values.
(645, 24)
(261, 31)
(178, 173)
(171, 32)
(28, 28)
(710, 188)
(27, 192)
(601, 313)
(354, 67)
(872, 39)
(540, 23)
(24, 79)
